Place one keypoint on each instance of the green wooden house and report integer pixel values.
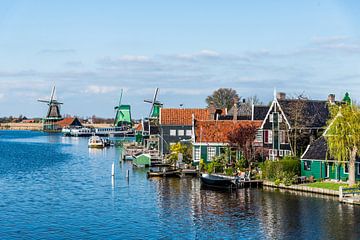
(142, 160)
(317, 162)
(211, 138)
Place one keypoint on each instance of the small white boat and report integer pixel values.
(96, 142)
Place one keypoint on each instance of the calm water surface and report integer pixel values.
(55, 187)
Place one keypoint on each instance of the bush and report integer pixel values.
(229, 171)
(277, 182)
(284, 170)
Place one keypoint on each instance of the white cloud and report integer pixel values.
(96, 89)
(202, 54)
(134, 58)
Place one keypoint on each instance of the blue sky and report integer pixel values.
(92, 49)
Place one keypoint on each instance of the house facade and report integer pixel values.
(317, 162)
(210, 137)
(176, 124)
(297, 120)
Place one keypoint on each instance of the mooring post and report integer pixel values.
(127, 173)
(340, 193)
(113, 170)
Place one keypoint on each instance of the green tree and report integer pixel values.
(180, 148)
(223, 98)
(343, 136)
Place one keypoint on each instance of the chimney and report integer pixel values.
(235, 108)
(331, 98)
(281, 96)
(212, 111)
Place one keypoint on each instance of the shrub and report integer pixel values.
(277, 182)
(284, 170)
(229, 171)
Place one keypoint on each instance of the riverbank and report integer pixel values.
(302, 188)
(38, 126)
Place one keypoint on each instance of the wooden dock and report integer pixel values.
(349, 195)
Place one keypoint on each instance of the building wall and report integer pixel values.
(167, 139)
(219, 149)
(318, 170)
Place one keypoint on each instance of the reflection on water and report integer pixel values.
(69, 190)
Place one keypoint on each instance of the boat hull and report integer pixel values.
(215, 181)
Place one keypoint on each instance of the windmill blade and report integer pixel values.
(44, 101)
(52, 94)
(147, 101)
(155, 95)
(120, 97)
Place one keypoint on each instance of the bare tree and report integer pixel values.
(222, 98)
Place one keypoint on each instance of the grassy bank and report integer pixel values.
(326, 185)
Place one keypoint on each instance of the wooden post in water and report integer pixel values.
(113, 170)
(127, 173)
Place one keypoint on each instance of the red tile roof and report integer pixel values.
(212, 131)
(66, 122)
(178, 116)
(139, 127)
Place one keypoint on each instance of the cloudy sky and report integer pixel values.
(92, 49)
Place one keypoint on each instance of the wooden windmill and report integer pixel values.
(155, 106)
(123, 114)
(53, 114)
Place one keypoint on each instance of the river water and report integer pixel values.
(53, 187)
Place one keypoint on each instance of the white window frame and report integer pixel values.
(346, 164)
(271, 118)
(259, 136)
(181, 132)
(280, 118)
(282, 137)
(211, 153)
(172, 132)
(188, 133)
(197, 154)
(308, 168)
(270, 136)
(281, 153)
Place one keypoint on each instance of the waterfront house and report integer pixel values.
(210, 137)
(68, 122)
(176, 124)
(317, 162)
(291, 124)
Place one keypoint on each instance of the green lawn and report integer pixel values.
(327, 185)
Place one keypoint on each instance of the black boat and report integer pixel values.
(216, 181)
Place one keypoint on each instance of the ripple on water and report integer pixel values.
(54, 187)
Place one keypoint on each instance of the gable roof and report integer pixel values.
(244, 112)
(314, 113)
(212, 131)
(317, 150)
(178, 116)
(69, 121)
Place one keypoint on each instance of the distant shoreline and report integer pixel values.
(38, 126)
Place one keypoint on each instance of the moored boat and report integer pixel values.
(216, 181)
(164, 173)
(96, 142)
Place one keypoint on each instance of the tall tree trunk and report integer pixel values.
(352, 169)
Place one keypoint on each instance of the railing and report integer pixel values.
(348, 192)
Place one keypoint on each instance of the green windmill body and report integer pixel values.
(156, 110)
(155, 106)
(123, 114)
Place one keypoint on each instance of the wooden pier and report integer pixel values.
(349, 195)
